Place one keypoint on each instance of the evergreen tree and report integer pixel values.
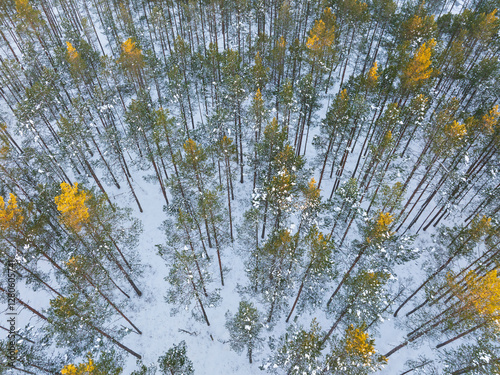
(244, 329)
(175, 361)
(299, 351)
(354, 354)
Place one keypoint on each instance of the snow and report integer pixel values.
(208, 347)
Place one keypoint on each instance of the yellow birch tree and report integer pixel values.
(419, 68)
(11, 217)
(71, 204)
(80, 369)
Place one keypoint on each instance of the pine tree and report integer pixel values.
(365, 293)
(175, 361)
(317, 270)
(320, 42)
(299, 351)
(83, 271)
(77, 64)
(244, 329)
(454, 243)
(73, 321)
(132, 61)
(478, 357)
(418, 69)
(31, 353)
(186, 284)
(259, 73)
(272, 268)
(354, 354)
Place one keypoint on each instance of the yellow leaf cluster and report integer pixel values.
(10, 216)
(129, 48)
(321, 36)
(488, 25)
(343, 96)
(482, 293)
(258, 96)
(131, 57)
(357, 343)
(282, 183)
(312, 192)
(82, 369)
(479, 227)
(281, 42)
(418, 68)
(72, 52)
(380, 228)
(29, 15)
(387, 138)
(491, 17)
(313, 39)
(384, 220)
(373, 75)
(62, 307)
(69, 369)
(74, 263)
(285, 237)
(71, 203)
(418, 27)
(490, 120)
(192, 151)
(456, 131)
(22, 6)
(226, 141)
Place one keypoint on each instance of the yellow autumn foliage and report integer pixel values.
(131, 57)
(481, 293)
(11, 216)
(312, 192)
(490, 120)
(28, 16)
(129, 48)
(322, 36)
(417, 27)
(383, 221)
(21, 5)
(456, 131)
(82, 369)
(380, 228)
(193, 152)
(373, 75)
(343, 96)
(359, 345)
(386, 141)
(488, 25)
(71, 204)
(258, 96)
(72, 52)
(281, 42)
(418, 68)
(479, 227)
